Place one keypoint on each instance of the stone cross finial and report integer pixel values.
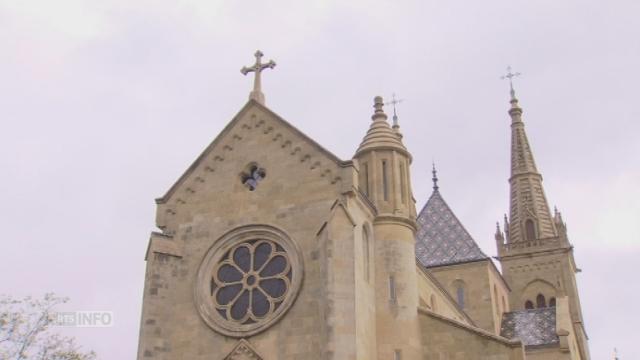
(510, 75)
(257, 68)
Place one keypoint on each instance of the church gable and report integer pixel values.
(259, 131)
(261, 190)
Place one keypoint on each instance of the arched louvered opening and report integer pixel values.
(530, 229)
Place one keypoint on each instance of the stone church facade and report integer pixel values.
(271, 247)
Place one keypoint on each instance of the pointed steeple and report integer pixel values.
(529, 215)
(384, 167)
(441, 238)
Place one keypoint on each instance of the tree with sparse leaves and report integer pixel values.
(25, 331)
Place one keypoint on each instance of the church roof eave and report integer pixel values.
(425, 271)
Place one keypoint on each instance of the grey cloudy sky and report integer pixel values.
(104, 104)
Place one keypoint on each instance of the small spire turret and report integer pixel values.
(380, 135)
(499, 235)
(506, 226)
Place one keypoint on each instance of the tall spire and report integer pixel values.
(530, 218)
(257, 68)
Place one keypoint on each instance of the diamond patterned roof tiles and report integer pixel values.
(441, 238)
(532, 327)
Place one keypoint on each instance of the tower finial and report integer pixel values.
(435, 176)
(378, 111)
(257, 68)
(394, 102)
(510, 75)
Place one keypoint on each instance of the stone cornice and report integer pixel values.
(395, 219)
(163, 244)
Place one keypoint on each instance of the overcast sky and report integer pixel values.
(104, 104)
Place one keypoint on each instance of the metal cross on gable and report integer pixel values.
(257, 68)
(510, 75)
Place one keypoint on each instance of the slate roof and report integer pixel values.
(532, 327)
(441, 239)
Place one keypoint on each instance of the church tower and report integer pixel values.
(384, 177)
(534, 250)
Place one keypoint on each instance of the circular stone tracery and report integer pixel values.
(248, 279)
(251, 281)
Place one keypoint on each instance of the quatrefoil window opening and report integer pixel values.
(251, 281)
(253, 176)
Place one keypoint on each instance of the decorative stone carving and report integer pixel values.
(243, 351)
(248, 279)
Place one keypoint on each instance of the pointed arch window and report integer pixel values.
(366, 251)
(364, 178)
(393, 296)
(552, 302)
(460, 295)
(385, 184)
(530, 229)
(495, 298)
(403, 180)
(540, 301)
(528, 305)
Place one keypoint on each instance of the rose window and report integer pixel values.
(251, 281)
(248, 279)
